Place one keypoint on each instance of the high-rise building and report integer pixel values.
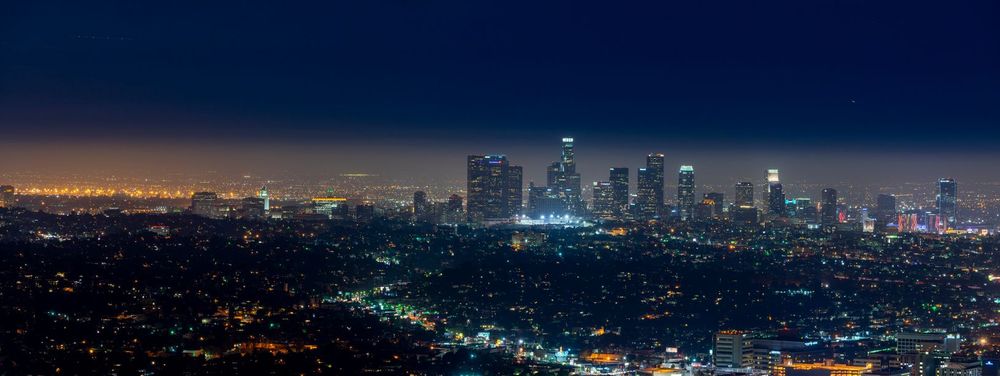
(649, 195)
(732, 349)
(6, 196)
(947, 202)
(515, 190)
(744, 194)
(775, 194)
(685, 192)
(704, 210)
(206, 204)
(619, 185)
(885, 210)
(828, 210)
(567, 180)
(718, 201)
(264, 195)
(421, 207)
(494, 188)
(604, 200)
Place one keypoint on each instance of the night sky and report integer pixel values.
(850, 89)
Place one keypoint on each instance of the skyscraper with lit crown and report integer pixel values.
(685, 192)
(775, 194)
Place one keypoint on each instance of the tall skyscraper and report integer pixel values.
(885, 210)
(566, 180)
(619, 185)
(264, 195)
(828, 210)
(6, 196)
(685, 192)
(604, 200)
(515, 190)
(494, 188)
(421, 207)
(775, 194)
(947, 202)
(649, 195)
(744, 194)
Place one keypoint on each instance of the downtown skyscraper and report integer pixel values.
(604, 200)
(775, 194)
(947, 202)
(494, 188)
(744, 194)
(649, 195)
(685, 193)
(828, 208)
(618, 176)
(565, 181)
(885, 212)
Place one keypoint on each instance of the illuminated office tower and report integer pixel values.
(494, 188)
(6, 196)
(264, 195)
(744, 194)
(619, 185)
(604, 200)
(685, 192)
(743, 213)
(947, 202)
(775, 194)
(828, 211)
(206, 204)
(885, 210)
(732, 349)
(567, 180)
(515, 190)
(649, 195)
(718, 199)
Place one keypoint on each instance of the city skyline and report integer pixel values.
(443, 187)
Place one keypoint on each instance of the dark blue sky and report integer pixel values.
(811, 75)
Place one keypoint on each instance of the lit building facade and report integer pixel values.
(649, 193)
(685, 192)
